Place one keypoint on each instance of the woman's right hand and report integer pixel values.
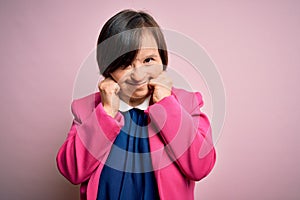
(109, 96)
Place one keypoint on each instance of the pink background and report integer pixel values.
(255, 45)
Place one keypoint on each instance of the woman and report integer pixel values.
(138, 137)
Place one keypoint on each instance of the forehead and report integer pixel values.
(148, 46)
(148, 41)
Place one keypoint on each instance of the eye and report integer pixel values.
(148, 60)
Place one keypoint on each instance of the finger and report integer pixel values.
(152, 82)
(163, 73)
(150, 86)
(157, 81)
(155, 84)
(117, 88)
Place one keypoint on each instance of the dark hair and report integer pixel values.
(120, 40)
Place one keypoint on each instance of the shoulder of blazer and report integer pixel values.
(83, 107)
(188, 100)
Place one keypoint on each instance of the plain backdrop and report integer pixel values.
(254, 44)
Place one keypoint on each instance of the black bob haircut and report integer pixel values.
(120, 40)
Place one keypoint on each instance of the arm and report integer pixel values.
(186, 134)
(88, 143)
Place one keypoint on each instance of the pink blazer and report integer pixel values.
(180, 140)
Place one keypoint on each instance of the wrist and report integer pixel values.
(161, 95)
(110, 111)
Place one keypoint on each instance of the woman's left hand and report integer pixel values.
(161, 86)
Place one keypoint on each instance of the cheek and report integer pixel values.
(119, 76)
(124, 86)
(154, 71)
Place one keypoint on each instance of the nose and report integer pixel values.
(138, 74)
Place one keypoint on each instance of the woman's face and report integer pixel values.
(133, 79)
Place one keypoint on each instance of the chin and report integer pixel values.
(139, 94)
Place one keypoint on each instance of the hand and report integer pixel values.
(109, 96)
(162, 86)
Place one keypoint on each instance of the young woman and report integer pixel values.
(138, 138)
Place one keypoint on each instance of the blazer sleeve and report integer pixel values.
(186, 134)
(87, 144)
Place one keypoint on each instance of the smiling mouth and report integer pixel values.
(139, 84)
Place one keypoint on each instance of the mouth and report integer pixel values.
(138, 84)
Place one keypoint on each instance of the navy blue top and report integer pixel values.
(127, 173)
